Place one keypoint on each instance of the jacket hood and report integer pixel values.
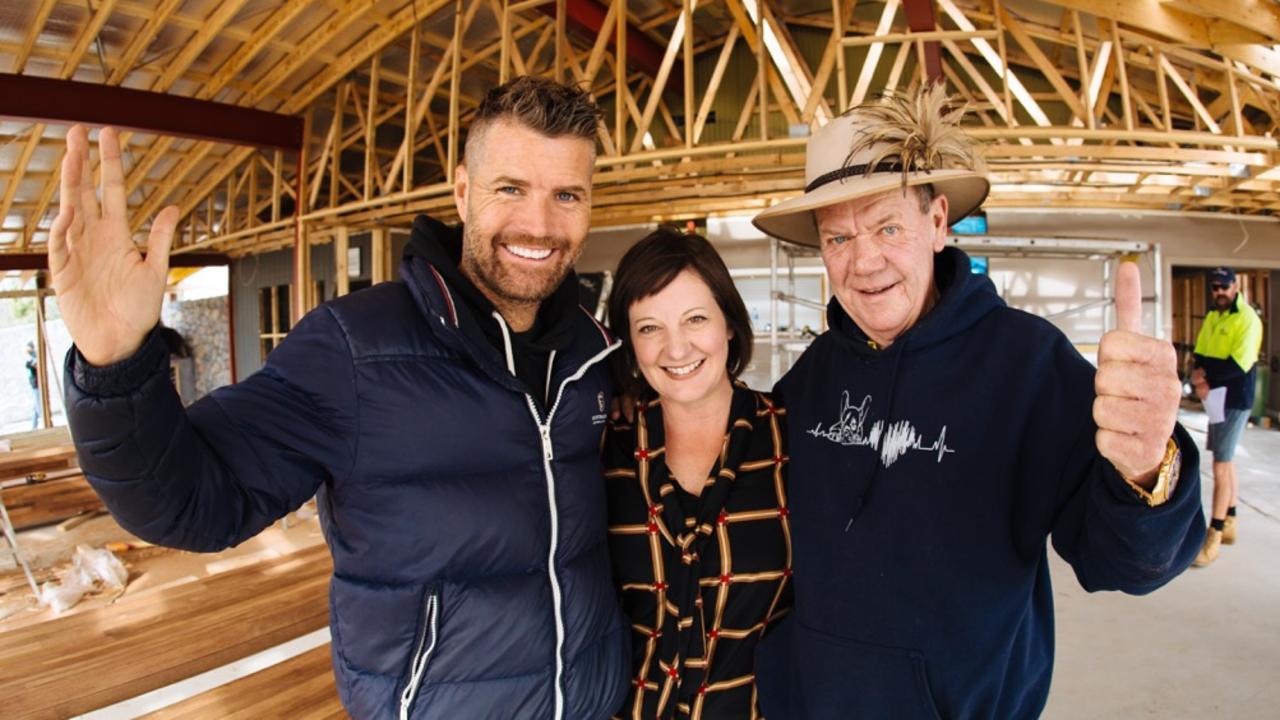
(964, 299)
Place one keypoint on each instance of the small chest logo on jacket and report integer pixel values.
(601, 417)
(892, 440)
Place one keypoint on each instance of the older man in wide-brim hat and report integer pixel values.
(938, 437)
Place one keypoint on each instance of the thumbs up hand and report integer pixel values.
(1137, 388)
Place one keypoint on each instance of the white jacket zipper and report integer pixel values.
(548, 454)
(422, 656)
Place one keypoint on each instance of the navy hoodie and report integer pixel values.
(925, 480)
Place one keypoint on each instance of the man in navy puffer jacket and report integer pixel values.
(450, 422)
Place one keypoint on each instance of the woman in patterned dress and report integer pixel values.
(698, 520)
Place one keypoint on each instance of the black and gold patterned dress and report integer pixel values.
(703, 577)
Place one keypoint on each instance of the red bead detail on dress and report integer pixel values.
(784, 512)
(642, 454)
(655, 509)
(786, 572)
(723, 518)
(726, 579)
(653, 528)
(674, 672)
(659, 586)
(702, 690)
(713, 633)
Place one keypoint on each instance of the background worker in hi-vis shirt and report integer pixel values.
(1225, 376)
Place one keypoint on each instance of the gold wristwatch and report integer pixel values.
(1166, 477)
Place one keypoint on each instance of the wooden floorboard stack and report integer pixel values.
(37, 451)
(50, 501)
(88, 660)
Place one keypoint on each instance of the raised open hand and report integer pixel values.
(109, 294)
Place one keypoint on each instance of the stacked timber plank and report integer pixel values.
(39, 481)
(88, 660)
(300, 688)
(49, 501)
(37, 451)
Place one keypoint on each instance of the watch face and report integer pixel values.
(1175, 472)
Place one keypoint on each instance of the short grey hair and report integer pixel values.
(925, 195)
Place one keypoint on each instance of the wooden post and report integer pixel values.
(620, 89)
(1083, 62)
(277, 173)
(42, 355)
(341, 243)
(874, 52)
(228, 210)
(301, 248)
(1162, 86)
(379, 249)
(410, 121)
(842, 82)
(370, 127)
(453, 93)
(1236, 118)
(560, 40)
(1126, 101)
(253, 191)
(504, 53)
(1004, 64)
(686, 10)
(335, 158)
(762, 77)
(713, 86)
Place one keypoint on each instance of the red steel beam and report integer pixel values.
(66, 101)
(921, 17)
(643, 54)
(40, 261)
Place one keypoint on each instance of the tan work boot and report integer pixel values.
(1209, 551)
(1229, 530)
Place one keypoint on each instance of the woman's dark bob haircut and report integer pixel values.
(649, 267)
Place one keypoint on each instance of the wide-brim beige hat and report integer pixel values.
(832, 176)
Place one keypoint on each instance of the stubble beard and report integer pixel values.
(481, 261)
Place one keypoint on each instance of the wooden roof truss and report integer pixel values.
(1081, 103)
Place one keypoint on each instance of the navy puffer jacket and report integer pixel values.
(467, 525)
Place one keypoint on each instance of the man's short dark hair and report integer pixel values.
(649, 267)
(554, 109)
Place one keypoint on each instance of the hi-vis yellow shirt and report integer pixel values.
(1236, 335)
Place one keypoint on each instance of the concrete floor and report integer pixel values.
(1205, 646)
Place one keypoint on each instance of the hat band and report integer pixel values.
(884, 166)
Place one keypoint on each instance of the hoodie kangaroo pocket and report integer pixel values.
(836, 677)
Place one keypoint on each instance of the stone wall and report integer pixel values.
(204, 324)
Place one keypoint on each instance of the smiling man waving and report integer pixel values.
(450, 422)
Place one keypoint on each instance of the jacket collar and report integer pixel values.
(462, 317)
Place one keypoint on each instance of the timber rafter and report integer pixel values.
(1156, 104)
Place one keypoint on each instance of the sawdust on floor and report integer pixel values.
(49, 551)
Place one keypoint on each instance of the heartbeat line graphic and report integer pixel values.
(892, 440)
